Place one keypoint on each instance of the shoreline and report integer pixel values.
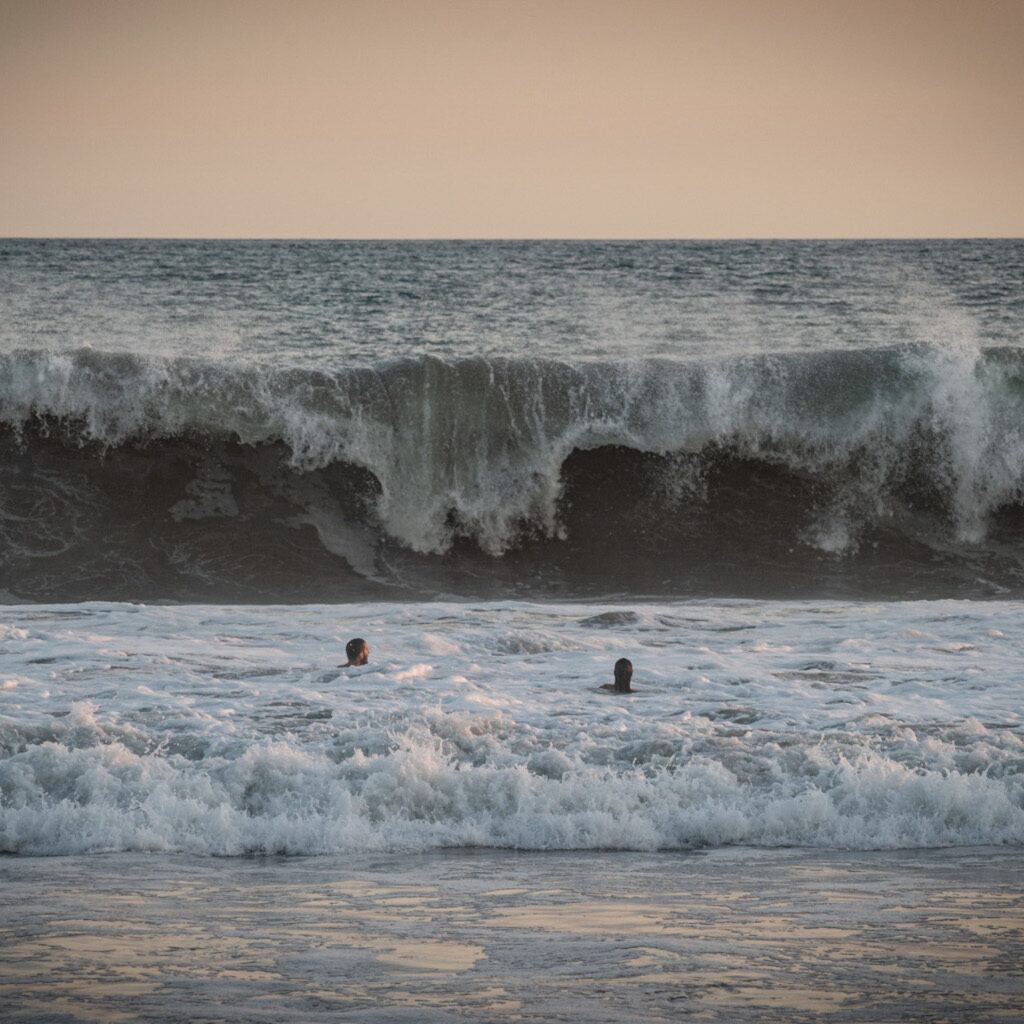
(726, 934)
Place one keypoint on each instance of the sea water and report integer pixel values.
(786, 480)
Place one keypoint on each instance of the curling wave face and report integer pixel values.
(889, 470)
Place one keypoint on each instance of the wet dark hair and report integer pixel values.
(623, 674)
(355, 647)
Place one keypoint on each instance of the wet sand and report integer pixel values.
(728, 935)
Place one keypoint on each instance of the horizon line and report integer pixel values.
(511, 238)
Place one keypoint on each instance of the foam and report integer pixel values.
(768, 724)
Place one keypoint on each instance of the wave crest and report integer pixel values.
(482, 450)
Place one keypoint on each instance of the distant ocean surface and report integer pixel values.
(786, 479)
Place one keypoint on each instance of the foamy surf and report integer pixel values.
(226, 731)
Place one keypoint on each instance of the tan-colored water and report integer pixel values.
(730, 936)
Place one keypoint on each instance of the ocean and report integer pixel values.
(784, 479)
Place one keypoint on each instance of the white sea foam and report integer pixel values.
(227, 730)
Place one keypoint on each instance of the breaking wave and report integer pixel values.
(414, 790)
(133, 476)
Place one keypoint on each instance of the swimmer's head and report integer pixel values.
(357, 650)
(623, 674)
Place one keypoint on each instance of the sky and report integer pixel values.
(512, 118)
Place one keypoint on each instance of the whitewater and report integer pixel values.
(231, 730)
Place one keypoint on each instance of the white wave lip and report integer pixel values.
(227, 731)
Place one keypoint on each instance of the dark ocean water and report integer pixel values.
(268, 421)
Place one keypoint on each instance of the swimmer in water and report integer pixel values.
(358, 652)
(623, 675)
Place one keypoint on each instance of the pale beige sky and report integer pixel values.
(497, 118)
